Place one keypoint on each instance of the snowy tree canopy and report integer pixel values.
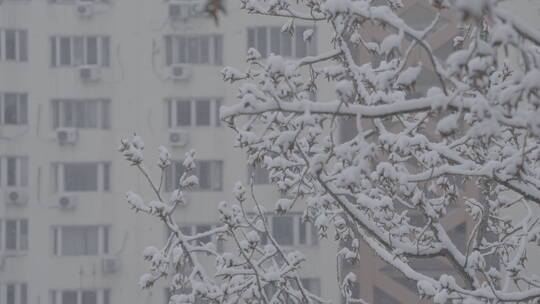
(479, 127)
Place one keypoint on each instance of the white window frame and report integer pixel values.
(3, 45)
(102, 295)
(103, 182)
(18, 236)
(22, 171)
(311, 46)
(311, 236)
(171, 109)
(99, 46)
(215, 41)
(58, 111)
(104, 240)
(18, 292)
(20, 102)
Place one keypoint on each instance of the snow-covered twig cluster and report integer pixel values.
(253, 271)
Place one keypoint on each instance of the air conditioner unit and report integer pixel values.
(181, 10)
(110, 264)
(178, 138)
(16, 197)
(180, 72)
(66, 135)
(89, 73)
(67, 202)
(85, 8)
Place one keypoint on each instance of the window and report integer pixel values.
(202, 49)
(13, 45)
(80, 240)
(13, 171)
(347, 129)
(80, 296)
(13, 108)
(201, 228)
(260, 175)
(14, 293)
(83, 113)
(14, 235)
(313, 285)
(209, 172)
(289, 230)
(80, 50)
(271, 40)
(83, 176)
(198, 112)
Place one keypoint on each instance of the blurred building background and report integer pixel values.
(76, 76)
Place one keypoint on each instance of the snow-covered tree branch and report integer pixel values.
(410, 159)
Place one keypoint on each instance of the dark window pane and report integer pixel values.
(107, 296)
(11, 45)
(202, 109)
(300, 47)
(65, 51)
(183, 113)
(69, 120)
(204, 175)
(24, 294)
(91, 50)
(91, 113)
(11, 234)
(53, 51)
(303, 231)
(282, 230)
(205, 50)
(262, 45)
(11, 171)
(55, 113)
(23, 46)
(23, 235)
(105, 114)
(69, 297)
(105, 51)
(89, 297)
(81, 177)
(11, 113)
(286, 45)
(79, 114)
(10, 294)
(78, 50)
(218, 106)
(181, 44)
(218, 50)
(105, 240)
(23, 108)
(251, 38)
(193, 50)
(106, 176)
(275, 38)
(168, 50)
(23, 171)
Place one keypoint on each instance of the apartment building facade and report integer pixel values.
(76, 76)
